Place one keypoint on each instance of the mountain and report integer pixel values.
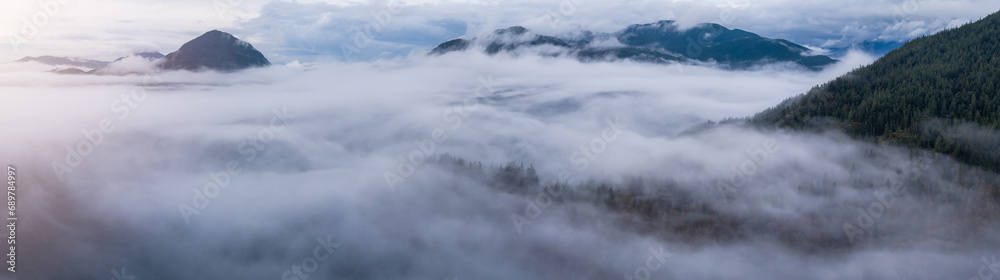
(137, 63)
(146, 55)
(939, 92)
(656, 42)
(95, 65)
(64, 61)
(876, 48)
(214, 50)
(69, 71)
(503, 40)
(712, 42)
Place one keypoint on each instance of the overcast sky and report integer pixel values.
(318, 30)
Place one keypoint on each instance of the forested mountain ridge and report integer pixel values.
(939, 92)
(659, 42)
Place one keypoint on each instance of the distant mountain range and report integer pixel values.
(214, 50)
(939, 92)
(660, 42)
(876, 48)
(64, 61)
(146, 55)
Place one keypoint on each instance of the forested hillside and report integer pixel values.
(702, 211)
(939, 92)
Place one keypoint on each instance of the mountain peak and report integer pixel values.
(215, 50)
(513, 30)
(216, 32)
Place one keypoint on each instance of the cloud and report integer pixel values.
(321, 176)
(131, 64)
(347, 32)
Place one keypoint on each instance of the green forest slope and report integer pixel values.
(939, 92)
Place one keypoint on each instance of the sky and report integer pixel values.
(320, 30)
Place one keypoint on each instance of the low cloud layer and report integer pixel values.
(299, 155)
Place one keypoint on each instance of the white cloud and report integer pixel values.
(323, 174)
(130, 65)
